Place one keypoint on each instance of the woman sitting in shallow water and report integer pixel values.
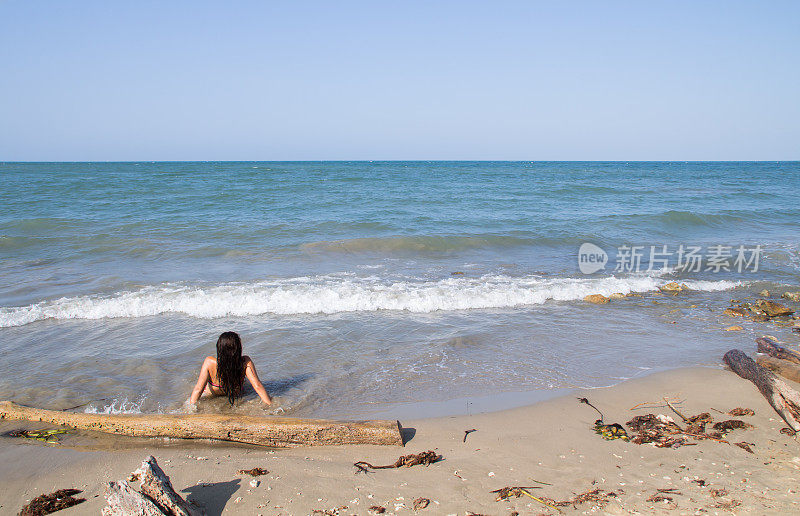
(224, 375)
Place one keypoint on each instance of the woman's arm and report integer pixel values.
(202, 380)
(252, 377)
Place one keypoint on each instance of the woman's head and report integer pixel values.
(230, 366)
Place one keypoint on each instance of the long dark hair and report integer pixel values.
(230, 366)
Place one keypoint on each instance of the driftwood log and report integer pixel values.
(266, 431)
(123, 500)
(784, 399)
(157, 487)
(156, 496)
(773, 349)
(787, 369)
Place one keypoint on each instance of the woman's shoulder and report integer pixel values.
(247, 361)
(210, 360)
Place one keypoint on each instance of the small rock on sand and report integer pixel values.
(616, 295)
(598, 299)
(734, 328)
(764, 293)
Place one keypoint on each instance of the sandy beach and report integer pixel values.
(550, 442)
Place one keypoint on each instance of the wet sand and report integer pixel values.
(551, 441)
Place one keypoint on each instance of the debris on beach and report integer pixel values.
(610, 432)
(664, 432)
(421, 503)
(599, 497)
(47, 436)
(255, 472)
(606, 431)
(745, 446)
(731, 424)
(727, 505)
(507, 492)
(650, 428)
(662, 495)
(516, 491)
(467, 432)
(784, 399)
(739, 411)
(377, 509)
(336, 511)
(45, 504)
(426, 458)
(155, 497)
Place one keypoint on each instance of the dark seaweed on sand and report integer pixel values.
(45, 504)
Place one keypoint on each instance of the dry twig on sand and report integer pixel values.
(426, 458)
(656, 404)
(507, 492)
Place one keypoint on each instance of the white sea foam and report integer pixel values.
(333, 294)
(123, 406)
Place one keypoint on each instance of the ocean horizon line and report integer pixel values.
(13, 162)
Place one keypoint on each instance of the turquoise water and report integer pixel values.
(357, 285)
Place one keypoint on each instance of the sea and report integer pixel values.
(380, 289)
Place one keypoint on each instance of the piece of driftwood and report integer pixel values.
(784, 399)
(157, 487)
(156, 496)
(123, 500)
(266, 431)
(773, 349)
(787, 369)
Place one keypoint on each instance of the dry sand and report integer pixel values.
(551, 442)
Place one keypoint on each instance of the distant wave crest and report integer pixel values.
(334, 294)
(430, 243)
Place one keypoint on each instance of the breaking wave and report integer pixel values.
(123, 406)
(334, 294)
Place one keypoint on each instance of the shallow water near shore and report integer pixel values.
(372, 288)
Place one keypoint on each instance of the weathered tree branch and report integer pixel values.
(773, 349)
(123, 500)
(784, 399)
(784, 368)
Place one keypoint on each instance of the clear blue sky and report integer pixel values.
(528, 80)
